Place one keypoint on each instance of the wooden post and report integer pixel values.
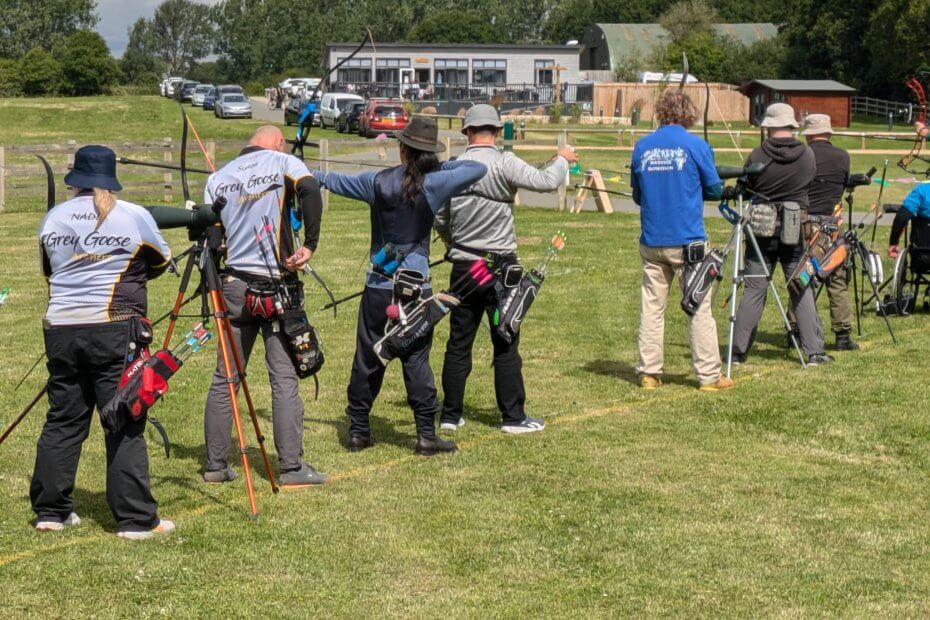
(2, 178)
(516, 198)
(72, 147)
(593, 179)
(862, 141)
(211, 150)
(620, 137)
(324, 156)
(447, 142)
(167, 175)
(563, 187)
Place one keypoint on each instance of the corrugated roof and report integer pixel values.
(808, 85)
(621, 39)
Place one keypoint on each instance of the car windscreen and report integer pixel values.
(357, 106)
(233, 99)
(388, 110)
(345, 104)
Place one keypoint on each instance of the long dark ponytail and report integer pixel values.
(418, 164)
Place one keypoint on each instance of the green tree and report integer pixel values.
(897, 42)
(40, 73)
(688, 18)
(29, 24)
(465, 28)
(139, 58)
(86, 64)
(10, 78)
(181, 32)
(627, 68)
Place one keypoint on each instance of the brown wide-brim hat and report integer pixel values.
(421, 134)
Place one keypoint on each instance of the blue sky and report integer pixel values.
(116, 16)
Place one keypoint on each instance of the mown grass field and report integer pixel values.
(799, 493)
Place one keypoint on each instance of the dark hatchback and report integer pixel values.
(295, 107)
(187, 91)
(348, 119)
(209, 100)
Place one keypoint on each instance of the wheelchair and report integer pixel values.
(911, 273)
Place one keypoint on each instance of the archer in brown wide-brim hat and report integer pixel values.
(421, 134)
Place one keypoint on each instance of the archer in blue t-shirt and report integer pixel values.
(673, 173)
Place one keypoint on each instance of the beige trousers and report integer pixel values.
(660, 267)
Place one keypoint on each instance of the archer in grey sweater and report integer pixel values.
(481, 218)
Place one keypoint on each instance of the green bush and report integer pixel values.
(256, 88)
(10, 78)
(555, 112)
(86, 64)
(575, 111)
(40, 73)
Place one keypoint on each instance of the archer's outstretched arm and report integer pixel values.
(358, 186)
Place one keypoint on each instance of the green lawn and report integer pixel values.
(800, 493)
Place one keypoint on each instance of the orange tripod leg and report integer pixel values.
(240, 369)
(225, 345)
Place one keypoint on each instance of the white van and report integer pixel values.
(332, 106)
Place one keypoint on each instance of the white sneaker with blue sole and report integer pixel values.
(528, 425)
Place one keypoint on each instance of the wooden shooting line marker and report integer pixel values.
(594, 182)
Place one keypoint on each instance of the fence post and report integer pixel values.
(211, 150)
(324, 156)
(72, 147)
(619, 136)
(563, 187)
(447, 142)
(167, 175)
(2, 178)
(862, 141)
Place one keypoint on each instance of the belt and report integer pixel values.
(494, 256)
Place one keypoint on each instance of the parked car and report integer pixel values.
(209, 99)
(348, 120)
(294, 86)
(199, 93)
(381, 116)
(171, 85)
(186, 91)
(232, 105)
(230, 88)
(293, 109)
(332, 105)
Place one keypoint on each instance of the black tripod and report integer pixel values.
(204, 254)
(859, 251)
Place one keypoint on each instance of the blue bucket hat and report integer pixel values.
(94, 167)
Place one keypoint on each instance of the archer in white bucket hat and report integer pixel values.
(816, 125)
(779, 115)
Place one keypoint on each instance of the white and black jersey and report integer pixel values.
(259, 186)
(98, 274)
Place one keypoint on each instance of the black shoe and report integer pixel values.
(430, 446)
(357, 443)
(788, 343)
(845, 343)
(738, 358)
(819, 358)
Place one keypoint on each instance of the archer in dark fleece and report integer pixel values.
(404, 201)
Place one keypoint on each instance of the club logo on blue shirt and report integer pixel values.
(663, 160)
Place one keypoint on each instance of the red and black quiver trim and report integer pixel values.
(144, 381)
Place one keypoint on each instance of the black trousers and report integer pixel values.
(508, 365)
(84, 366)
(368, 372)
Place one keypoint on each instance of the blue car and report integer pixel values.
(209, 99)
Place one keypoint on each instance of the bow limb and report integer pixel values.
(304, 135)
(49, 184)
(323, 285)
(185, 187)
(684, 71)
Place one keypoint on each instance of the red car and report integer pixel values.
(381, 116)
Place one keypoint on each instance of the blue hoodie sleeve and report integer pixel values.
(358, 186)
(711, 185)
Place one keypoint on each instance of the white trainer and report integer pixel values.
(46, 524)
(163, 528)
(528, 425)
(451, 426)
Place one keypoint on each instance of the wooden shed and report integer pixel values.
(805, 96)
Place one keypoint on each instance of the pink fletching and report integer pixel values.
(485, 279)
(392, 312)
(478, 269)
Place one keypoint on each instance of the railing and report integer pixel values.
(505, 95)
(884, 109)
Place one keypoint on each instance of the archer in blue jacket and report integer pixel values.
(672, 173)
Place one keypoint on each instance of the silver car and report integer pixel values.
(199, 93)
(233, 105)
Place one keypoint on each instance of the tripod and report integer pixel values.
(204, 255)
(859, 251)
(743, 229)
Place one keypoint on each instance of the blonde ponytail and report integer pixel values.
(104, 201)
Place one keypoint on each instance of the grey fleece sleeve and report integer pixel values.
(525, 176)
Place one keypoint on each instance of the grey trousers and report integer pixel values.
(755, 294)
(287, 409)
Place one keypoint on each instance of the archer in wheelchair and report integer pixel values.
(909, 246)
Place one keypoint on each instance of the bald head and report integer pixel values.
(268, 137)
